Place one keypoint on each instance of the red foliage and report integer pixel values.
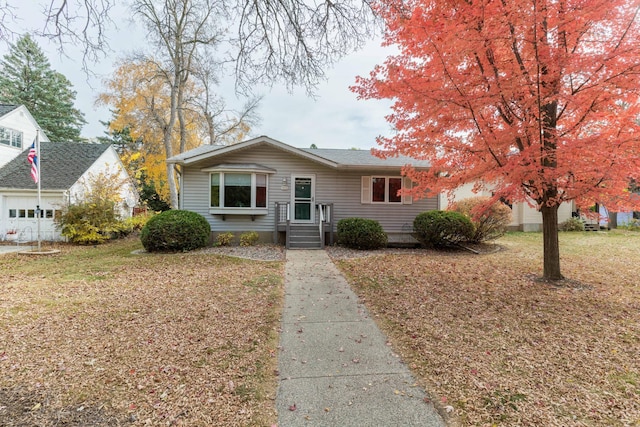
(537, 99)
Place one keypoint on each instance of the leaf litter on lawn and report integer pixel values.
(170, 339)
(502, 348)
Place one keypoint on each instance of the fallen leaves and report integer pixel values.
(506, 349)
(176, 338)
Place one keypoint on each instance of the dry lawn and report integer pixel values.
(498, 347)
(101, 337)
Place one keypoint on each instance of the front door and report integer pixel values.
(303, 198)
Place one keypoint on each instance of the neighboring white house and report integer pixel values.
(17, 131)
(524, 217)
(66, 170)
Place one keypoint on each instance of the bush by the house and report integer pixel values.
(89, 223)
(224, 239)
(490, 221)
(361, 233)
(95, 217)
(174, 231)
(442, 228)
(249, 238)
(633, 225)
(572, 224)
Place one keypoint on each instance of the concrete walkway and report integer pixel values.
(335, 366)
(7, 249)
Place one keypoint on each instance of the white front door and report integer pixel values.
(303, 198)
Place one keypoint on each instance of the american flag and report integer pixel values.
(33, 160)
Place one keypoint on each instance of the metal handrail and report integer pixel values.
(321, 224)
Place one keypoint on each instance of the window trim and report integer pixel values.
(366, 190)
(387, 179)
(249, 210)
(12, 134)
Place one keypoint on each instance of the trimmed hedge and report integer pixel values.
(175, 231)
(435, 229)
(361, 233)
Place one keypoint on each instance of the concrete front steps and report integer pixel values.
(304, 237)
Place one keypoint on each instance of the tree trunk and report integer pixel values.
(551, 244)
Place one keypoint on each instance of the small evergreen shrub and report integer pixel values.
(174, 231)
(436, 229)
(224, 239)
(361, 233)
(250, 238)
(489, 222)
(572, 224)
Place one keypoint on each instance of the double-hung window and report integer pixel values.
(238, 192)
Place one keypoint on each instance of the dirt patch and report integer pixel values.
(20, 408)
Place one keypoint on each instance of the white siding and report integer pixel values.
(27, 227)
(524, 217)
(341, 188)
(20, 120)
(108, 163)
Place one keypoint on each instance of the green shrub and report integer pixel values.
(89, 223)
(442, 228)
(361, 233)
(572, 224)
(249, 238)
(633, 225)
(490, 221)
(95, 217)
(175, 230)
(224, 239)
(132, 224)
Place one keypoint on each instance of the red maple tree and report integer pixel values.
(535, 100)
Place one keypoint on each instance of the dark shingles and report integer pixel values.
(7, 108)
(62, 164)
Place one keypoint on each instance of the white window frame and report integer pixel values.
(249, 210)
(366, 190)
(11, 135)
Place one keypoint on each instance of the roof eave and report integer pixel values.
(250, 143)
(379, 167)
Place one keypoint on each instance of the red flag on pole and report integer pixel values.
(33, 160)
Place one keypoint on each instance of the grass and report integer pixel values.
(499, 347)
(98, 336)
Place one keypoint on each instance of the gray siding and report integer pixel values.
(332, 186)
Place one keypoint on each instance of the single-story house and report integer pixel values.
(17, 131)
(67, 169)
(524, 217)
(296, 196)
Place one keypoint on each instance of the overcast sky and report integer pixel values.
(335, 119)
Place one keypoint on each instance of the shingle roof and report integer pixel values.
(7, 108)
(334, 157)
(62, 164)
(345, 157)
